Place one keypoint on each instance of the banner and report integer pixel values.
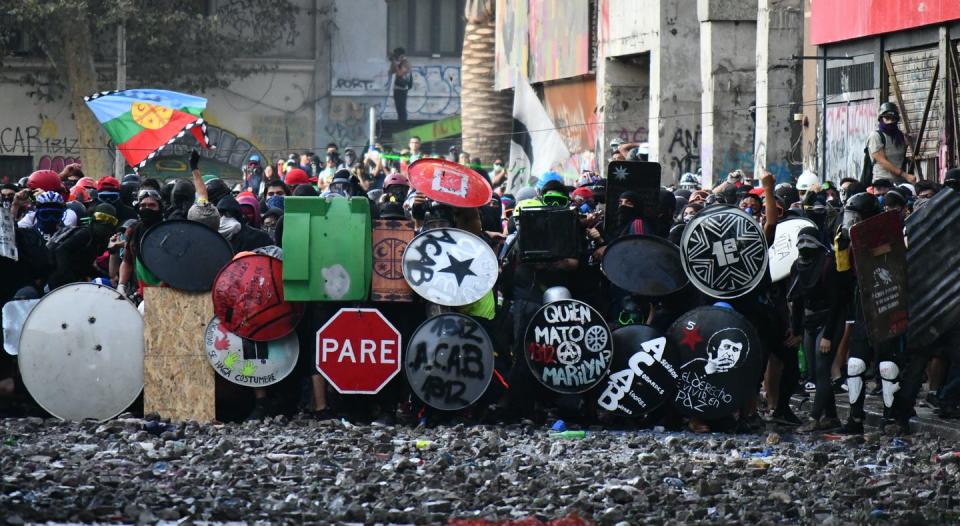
(535, 145)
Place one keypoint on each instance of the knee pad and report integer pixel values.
(889, 384)
(855, 369)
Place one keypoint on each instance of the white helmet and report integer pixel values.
(806, 179)
(556, 294)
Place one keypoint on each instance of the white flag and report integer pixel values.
(535, 146)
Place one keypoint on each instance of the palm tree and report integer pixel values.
(486, 114)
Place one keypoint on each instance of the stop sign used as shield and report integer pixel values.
(358, 351)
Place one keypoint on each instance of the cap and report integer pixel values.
(108, 182)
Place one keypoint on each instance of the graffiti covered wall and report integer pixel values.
(512, 44)
(559, 39)
(848, 126)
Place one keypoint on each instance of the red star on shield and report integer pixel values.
(691, 338)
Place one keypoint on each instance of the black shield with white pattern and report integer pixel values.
(723, 252)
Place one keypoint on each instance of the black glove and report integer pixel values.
(194, 160)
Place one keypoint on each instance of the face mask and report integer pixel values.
(880, 199)
(6, 201)
(48, 219)
(626, 214)
(275, 201)
(228, 227)
(101, 231)
(149, 216)
(270, 230)
(850, 218)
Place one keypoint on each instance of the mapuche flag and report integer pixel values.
(142, 122)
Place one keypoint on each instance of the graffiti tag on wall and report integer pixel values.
(848, 126)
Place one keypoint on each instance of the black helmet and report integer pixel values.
(894, 198)
(864, 204)
(217, 189)
(889, 108)
(952, 176)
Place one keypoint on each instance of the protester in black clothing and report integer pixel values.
(234, 227)
(181, 199)
(75, 249)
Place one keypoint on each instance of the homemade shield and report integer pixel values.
(15, 312)
(185, 255)
(723, 252)
(248, 299)
(246, 362)
(568, 346)
(719, 357)
(934, 292)
(449, 362)
(548, 234)
(644, 265)
(634, 176)
(450, 267)
(448, 182)
(783, 252)
(8, 235)
(390, 239)
(643, 374)
(880, 261)
(81, 352)
(326, 249)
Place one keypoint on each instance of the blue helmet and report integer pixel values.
(50, 198)
(547, 177)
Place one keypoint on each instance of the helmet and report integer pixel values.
(45, 180)
(87, 183)
(689, 181)
(556, 294)
(547, 177)
(894, 198)
(50, 197)
(296, 176)
(528, 192)
(583, 192)
(79, 193)
(865, 204)
(888, 108)
(807, 179)
(526, 203)
(396, 179)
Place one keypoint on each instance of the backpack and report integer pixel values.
(59, 237)
(866, 173)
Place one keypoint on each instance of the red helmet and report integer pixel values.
(396, 178)
(297, 176)
(88, 183)
(46, 180)
(79, 193)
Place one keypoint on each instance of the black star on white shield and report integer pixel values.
(460, 269)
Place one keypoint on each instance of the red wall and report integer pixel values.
(836, 20)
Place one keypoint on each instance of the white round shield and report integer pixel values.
(15, 312)
(783, 252)
(450, 267)
(246, 362)
(81, 352)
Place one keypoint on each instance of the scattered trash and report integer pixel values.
(569, 435)
(559, 426)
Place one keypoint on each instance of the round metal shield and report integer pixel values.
(723, 252)
(449, 361)
(246, 362)
(448, 182)
(783, 252)
(15, 312)
(185, 255)
(568, 346)
(643, 374)
(248, 299)
(644, 265)
(719, 357)
(450, 267)
(81, 352)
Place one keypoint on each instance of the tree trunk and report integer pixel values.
(81, 80)
(486, 114)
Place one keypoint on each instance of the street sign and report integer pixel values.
(248, 299)
(449, 361)
(881, 265)
(448, 182)
(783, 252)
(644, 372)
(645, 265)
(81, 352)
(450, 267)
(719, 357)
(723, 252)
(568, 346)
(246, 362)
(358, 351)
(390, 239)
(185, 255)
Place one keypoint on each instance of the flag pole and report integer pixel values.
(118, 161)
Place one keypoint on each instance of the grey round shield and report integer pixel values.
(81, 352)
(723, 252)
(246, 362)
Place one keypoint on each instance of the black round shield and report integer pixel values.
(568, 346)
(185, 255)
(723, 252)
(644, 265)
(449, 361)
(719, 359)
(643, 373)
